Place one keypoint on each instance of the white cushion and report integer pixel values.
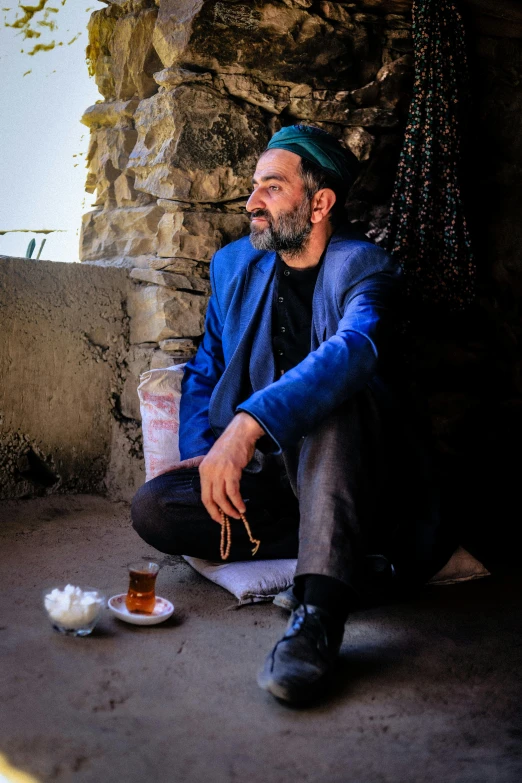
(252, 581)
(461, 567)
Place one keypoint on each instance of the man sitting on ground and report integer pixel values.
(293, 412)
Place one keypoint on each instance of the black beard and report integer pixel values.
(288, 233)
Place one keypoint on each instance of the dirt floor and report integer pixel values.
(427, 690)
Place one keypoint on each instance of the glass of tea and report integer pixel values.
(141, 595)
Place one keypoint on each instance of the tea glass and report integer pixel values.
(141, 595)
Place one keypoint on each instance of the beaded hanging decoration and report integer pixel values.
(428, 233)
(226, 536)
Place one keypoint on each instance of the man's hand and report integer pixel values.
(192, 462)
(220, 470)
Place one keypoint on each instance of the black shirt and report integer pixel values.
(292, 314)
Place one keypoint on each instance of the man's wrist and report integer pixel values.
(250, 426)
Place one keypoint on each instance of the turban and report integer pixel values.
(319, 147)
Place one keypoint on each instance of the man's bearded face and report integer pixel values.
(286, 232)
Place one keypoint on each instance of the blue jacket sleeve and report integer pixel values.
(295, 404)
(200, 377)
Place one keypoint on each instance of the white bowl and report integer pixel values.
(74, 620)
(162, 611)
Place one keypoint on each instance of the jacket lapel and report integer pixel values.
(254, 317)
(261, 365)
(258, 279)
(318, 318)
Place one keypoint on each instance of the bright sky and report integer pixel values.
(42, 142)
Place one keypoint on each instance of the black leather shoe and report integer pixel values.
(297, 669)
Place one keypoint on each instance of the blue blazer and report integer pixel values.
(352, 325)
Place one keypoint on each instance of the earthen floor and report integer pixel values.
(427, 690)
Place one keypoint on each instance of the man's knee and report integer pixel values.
(147, 514)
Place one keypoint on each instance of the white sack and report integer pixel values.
(159, 393)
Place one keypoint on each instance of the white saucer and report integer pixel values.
(162, 611)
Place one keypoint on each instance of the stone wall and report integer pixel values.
(69, 414)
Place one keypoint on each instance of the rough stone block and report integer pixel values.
(339, 113)
(183, 266)
(301, 3)
(120, 51)
(173, 77)
(279, 44)
(336, 12)
(359, 141)
(134, 59)
(387, 6)
(118, 233)
(367, 95)
(100, 31)
(395, 81)
(127, 196)
(114, 144)
(272, 98)
(171, 280)
(123, 190)
(178, 348)
(107, 156)
(365, 18)
(198, 235)
(195, 145)
(398, 21)
(110, 115)
(103, 76)
(399, 40)
(158, 313)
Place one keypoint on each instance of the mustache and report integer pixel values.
(257, 213)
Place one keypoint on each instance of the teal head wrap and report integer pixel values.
(319, 147)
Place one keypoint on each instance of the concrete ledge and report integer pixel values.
(63, 363)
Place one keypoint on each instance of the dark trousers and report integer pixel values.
(354, 486)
